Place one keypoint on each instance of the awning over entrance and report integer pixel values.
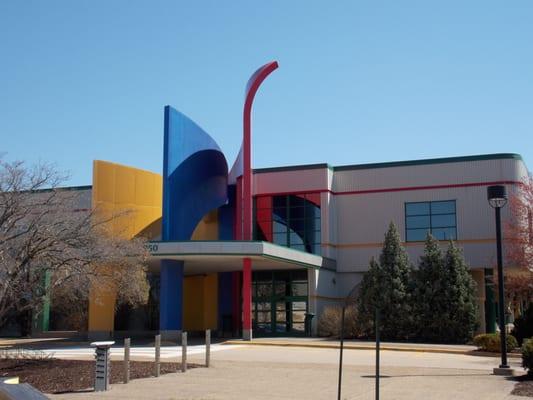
(222, 256)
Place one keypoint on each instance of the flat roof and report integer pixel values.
(428, 161)
(63, 188)
(205, 256)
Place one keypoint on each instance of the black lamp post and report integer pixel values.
(497, 196)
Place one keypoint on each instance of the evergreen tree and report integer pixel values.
(444, 301)
(430, 305)
(386, 285)
(461, 288)
(368, 298)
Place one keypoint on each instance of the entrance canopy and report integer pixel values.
(201, 257)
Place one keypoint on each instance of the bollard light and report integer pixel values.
(103, 365)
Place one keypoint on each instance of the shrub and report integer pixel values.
(24, 354)
(527, 355)
(329, 322)
(523, 325)
(491, 342)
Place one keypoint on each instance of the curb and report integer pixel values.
(349, 346)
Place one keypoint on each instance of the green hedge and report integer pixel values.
(527, 355)
(491, 342)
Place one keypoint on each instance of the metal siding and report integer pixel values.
(291, 181)
(362, 219)
(425, 175)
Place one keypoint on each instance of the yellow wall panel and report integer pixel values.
(193, 303)
(157, 198)
(124, 185)
(101, 310)
(145, 217)
(207, 228)
(200, 302)
(117, 190)
(211, 301)
(104, 176)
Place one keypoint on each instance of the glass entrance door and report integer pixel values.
(279, 302)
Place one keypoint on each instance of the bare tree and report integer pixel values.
(43, 231)
(519, 227)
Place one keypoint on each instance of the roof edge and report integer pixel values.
(389, 164)
(291, 168)
(428, 161)
(64, 188)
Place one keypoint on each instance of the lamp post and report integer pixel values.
(497, 197)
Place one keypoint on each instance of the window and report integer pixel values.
(279, 302)
(437, 217)
(289, 220)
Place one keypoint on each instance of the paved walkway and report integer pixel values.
(365, 345)
(142, 353)
(256, 372)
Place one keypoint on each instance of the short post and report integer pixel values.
(339, 388)
(157, 355)
(207, 347)
(377, 353)
(183, 351)
(127, 343)
(103, 365)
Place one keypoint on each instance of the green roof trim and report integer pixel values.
(429, 161)
(63, 189)
(444, 160)
(291, 168)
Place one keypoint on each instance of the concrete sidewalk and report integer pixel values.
(328, 343)
(268, 381)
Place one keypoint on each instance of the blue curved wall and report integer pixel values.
(195, 181)
(195, 176)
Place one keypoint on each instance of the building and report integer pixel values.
(238, 250)
(316, 228)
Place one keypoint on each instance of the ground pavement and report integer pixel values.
(276, 372)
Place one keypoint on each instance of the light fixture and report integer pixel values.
(497, 196)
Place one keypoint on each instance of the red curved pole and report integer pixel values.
(251, 89)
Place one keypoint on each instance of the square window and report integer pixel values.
(278, 227)
(442, 221)
(279, 201)
(280, 238)
(437, 217)
(418, 222)
(296, 201)
(289, 220)
(300, 247)
(312, 224)
(417, 208)
(417, 235)
(443, 207)
(312, 211)
(295, 239)
(445, 233)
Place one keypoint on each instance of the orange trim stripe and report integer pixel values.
(408, 244)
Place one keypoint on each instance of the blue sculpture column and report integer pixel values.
(171, 299)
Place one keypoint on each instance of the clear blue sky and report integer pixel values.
(358, 81)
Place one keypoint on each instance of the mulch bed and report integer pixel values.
(524, 385)
(60, 376)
